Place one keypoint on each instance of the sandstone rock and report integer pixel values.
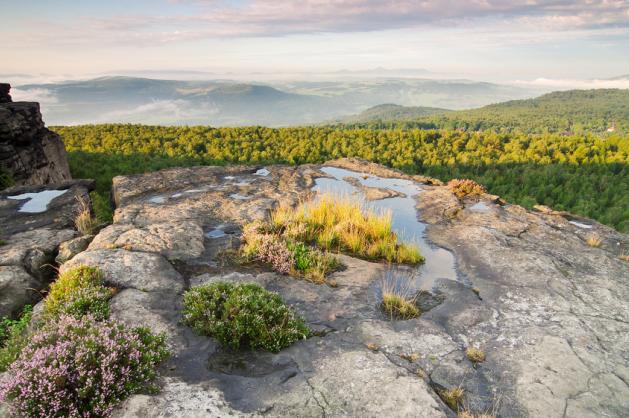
(69, 249)
(174, 240)
(5, 97)
(179, 399)
(31, 153)
(127, 269)
(17, 288)
(373, 193)
(549, 312)
(58, 214)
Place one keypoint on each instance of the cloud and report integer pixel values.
(264, 18)
(43, 96)
(568, 84)
(160, 112)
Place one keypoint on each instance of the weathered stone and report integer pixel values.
(179, 399)
(69, 249)
(373, 193)
(174, 240)
(59, 213)
(128, 269)
(5, 97)
(17, 288)
(549, 312)
(30, 153)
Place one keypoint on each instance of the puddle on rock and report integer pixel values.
(479, 207)
(580, 225)
(217, 232)
(439, 261)
(263, 172)
(238, 196)
(37, 202)
(158, 199)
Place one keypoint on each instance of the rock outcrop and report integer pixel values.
(30, 237)
(29, 152)
(549, 311)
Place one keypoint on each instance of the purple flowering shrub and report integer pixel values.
(81, 367)
(268, 248)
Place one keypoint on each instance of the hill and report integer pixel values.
(228, 103)
(391, 112)
(572, 111)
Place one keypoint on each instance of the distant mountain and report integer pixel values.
(597, 110)
(391, 112)
(620, 77)
(229, 103)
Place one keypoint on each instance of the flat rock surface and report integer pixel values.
(550, 313)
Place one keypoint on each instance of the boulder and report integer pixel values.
(30, 152)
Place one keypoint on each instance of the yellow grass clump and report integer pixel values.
(343, 224)
(594, 241)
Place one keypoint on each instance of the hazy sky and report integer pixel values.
(481, 39)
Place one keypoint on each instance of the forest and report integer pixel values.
(587, 173)
(568, 112)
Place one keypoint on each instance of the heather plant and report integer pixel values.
(465, 187)
(80, 367)
(284, 254)
(243, 315)
(77, 292)
(13, 337)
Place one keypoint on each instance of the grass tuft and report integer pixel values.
(475, 355)
(624, 257)
(594, 241)
(345, 225)
(84, 221)
(452, 397)
(398, 300)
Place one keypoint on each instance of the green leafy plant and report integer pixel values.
(243, 315)
(77, 292)
(13, 337)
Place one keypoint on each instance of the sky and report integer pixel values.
(526, 41)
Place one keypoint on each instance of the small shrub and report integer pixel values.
(3, 242)
(594, 241)
(284, 255)
(463, 188)
(81, 367)
(243, 315)
(398, 300)
(452, 397)
(475, 355)
(77, 292)
(13, 337)
(84, 221)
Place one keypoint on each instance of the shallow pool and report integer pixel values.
(37, 202)
(440, 262)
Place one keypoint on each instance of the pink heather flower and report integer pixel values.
(80, 368)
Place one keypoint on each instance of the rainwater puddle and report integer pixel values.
(37, 202)
(439, 261)
(581, 225)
